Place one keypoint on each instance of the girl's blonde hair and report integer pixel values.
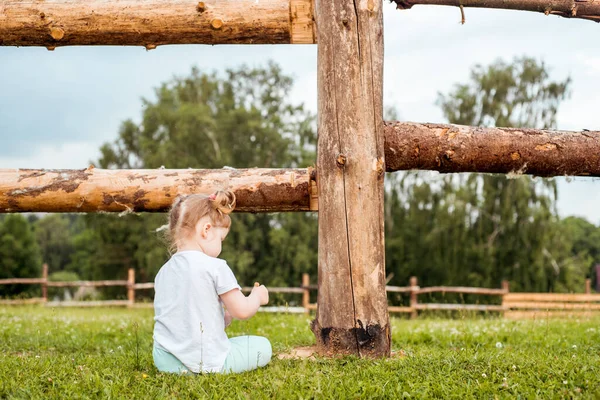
(187, 210)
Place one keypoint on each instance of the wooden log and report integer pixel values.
(149, 285)
(461, 289)
(352, 315)
(399, 289)
(459, 307)
(588, 286)
(87, 283)
(131, 286)
(550, 314)
(151, 23)
(584, 9)
(398, 309)
(457, 148)
(414, 292)
(104, 303)
(92, 190)
(18, 281)
(19, 302)
(306, 291)
(512, 297)
(550, 305)
(45, 282)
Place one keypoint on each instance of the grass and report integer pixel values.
(106, 353)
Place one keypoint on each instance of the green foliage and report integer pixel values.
(461, 229)
(54, 236)
(239, 119)
(19, 254)
(507, 95)
(67, 353)
(474, 229)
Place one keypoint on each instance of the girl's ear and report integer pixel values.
(202, 227)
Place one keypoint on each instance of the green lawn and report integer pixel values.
(106, 353)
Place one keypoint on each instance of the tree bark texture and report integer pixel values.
(457, 148)
(151, 23)
(584, 9)
(92, 190)
(352, 315)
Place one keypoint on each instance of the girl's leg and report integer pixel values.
(167, 362)
(247, 353)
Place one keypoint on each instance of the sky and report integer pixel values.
(58, 107)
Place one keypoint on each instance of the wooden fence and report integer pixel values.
(514, 305)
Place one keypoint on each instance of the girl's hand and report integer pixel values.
(262, 293)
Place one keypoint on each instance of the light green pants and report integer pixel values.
(247, 353)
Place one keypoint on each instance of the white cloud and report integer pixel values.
(72, 155)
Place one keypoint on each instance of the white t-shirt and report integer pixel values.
(189, 318)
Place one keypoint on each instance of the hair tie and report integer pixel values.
(213, 196)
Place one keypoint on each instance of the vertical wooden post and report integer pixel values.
(506, 288)
(306, 294)
(588, 286)
(45, 283)
(413, 296)
(130, 286)
(352, 315)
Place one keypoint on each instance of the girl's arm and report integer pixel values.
(228, 318)
(242, 307)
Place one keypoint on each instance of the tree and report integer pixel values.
(209, 120)
(54, 237)
(19, 254)
(475, 229)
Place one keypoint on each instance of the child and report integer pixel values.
(189, 329)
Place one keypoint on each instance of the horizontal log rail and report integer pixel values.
(543, 297)
(92, 189)
(102, 303)
(438, 147)
(457, 148)
(545, 314)
(401, 289)
(514, 305)
(461, 289)
(584, 9)
(151, 23)
(459, 307)
(546, 305)
(22, 281)
(87, 283)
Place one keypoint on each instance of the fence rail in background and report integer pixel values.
(514, 305)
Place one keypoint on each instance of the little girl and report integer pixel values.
(189, 329)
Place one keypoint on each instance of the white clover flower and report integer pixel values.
(484, 375)
(574, 346)
(498, 345)
(565, 382)
(514, 367)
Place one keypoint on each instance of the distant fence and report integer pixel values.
(514, 305)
